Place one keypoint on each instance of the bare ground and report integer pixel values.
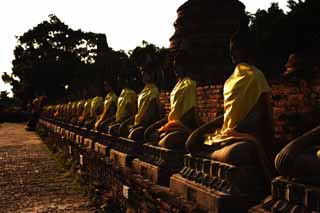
(31, 180)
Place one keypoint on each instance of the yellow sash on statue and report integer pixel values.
(149, 93)
(127, 104)
(241, 92)
(110, 99)
(96, 106)
(182, 99)
(86, 109)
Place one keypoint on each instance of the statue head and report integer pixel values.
(182, 64)
(242, 46)
(294, 66)
(149, 70)
(107, 87)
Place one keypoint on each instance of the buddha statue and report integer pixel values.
(77, 111)
(109, 109)
(172, 131)
(96, 109)
(244, 134)
(300, 159)
(85, 112)
(148, 106)
(37, 107)
(126, 106)
(74, 112)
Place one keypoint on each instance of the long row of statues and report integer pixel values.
(243, 136)
(137, 117)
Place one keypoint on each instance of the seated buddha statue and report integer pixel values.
(300, 159)
(85, 112)
(126, 107)
(244, 134)
(37, 107)
(148, 106)
(172, 131)
(96, 109)
(79, 105)
(73, 113)
(109, 109)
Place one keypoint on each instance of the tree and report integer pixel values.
(48, 57)
(150, 53)
(279, 34)
(4, 96)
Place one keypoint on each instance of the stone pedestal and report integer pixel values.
(213, 200)
(101, 149)
(124, 151)
(203, 180)
(290, 196)
(158, 164)
(119, 158)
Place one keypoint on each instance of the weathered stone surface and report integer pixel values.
(290, 196)
(203, 28)
(213, 200)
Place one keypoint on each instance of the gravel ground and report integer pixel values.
(30, 179)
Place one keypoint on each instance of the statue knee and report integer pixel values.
(240, 153)
(175, 140)
(114, 129)
(194, 144)
(136, 133)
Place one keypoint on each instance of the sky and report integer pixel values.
(125, 22)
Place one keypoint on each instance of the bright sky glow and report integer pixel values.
(125, 22)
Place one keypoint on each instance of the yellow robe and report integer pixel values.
(86, 110)
(73, 109)
(148, 94)
(241, 92)
(56, 111)
(183, 97)
(80, 106)
(127, 104)
(110, 99)
(96, 107)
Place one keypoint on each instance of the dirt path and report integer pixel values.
(30, 179)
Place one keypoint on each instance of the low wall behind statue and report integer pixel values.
(295, 106)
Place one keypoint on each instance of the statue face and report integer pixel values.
(146, 77)
(237, 55)
(106, 86)
(177, 69)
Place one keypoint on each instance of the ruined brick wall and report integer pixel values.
(295, 106)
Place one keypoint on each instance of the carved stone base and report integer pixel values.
(147, 170)
(88, 143)
(119, 158)
(245, 183)
(158, 164)
(212, 200)
(290, 196)
(101, 149)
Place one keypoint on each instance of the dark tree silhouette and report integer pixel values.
(141, 56)
(48, 57)
(279, 34)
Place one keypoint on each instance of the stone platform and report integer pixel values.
(290, 196)
(157, 163)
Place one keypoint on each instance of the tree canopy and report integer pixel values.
(279, 34)
(60, 62)
(47, 58)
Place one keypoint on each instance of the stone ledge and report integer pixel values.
(214, 201)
